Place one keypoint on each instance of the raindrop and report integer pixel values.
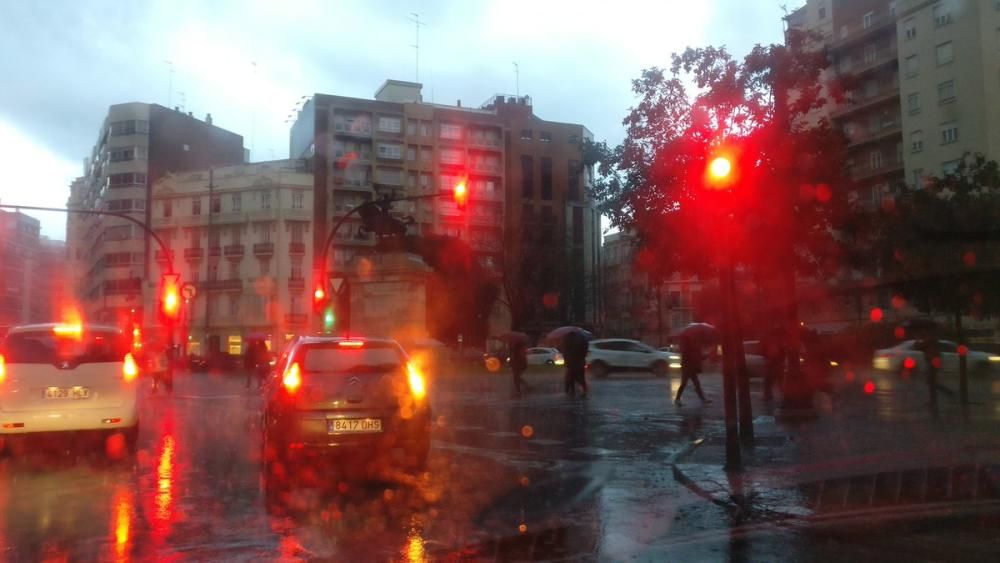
(524, 481)
(522, 528)
(936, 362)
(388, 494)
(807, 192)
(909, 363)
(899, 333)
(342, 487)
(875, 315)
(963, 350)
(823, 193)
(888, 204)
(849, 377)
(550, 300)
(869, 387)
(527, 431)
(969, 258)
(898, 302)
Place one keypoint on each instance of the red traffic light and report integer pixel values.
(461, 194)
(720, 170)
(170, 297)
(319, 294)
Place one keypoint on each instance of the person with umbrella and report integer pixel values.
(573, 342)
(692, 339)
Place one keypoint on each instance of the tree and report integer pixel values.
(763, 112)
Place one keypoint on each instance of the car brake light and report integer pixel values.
(292, 378)
(3, 368)
(418, 387)
(351, 343)
(130, 370)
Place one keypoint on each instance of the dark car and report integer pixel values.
(357, 399)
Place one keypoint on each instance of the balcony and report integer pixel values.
(194, 253)
(223, 285)
(263, 249)
(888, 167)
(296, 319)
(352, 128)
(882, 58)
(296, 283)
(162, 258)
(485, 142)
(487, 167)
(297, 248)
(885, 132)
(860, 103)
(858, 32)
(214, 251)
(234, 251)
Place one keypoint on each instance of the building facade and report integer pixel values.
(396, 144)
(19, 246)
(240, 237)
(51, 291)
(137, 144)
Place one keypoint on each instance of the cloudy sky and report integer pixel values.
(248, 63)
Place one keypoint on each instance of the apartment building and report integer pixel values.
(240, 236)
(50, 290)
(950, 88)
(19, 244)
(397, 144)
(137, 144)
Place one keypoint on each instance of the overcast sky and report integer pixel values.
(248, 63)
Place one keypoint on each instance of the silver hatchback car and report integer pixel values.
(354, 398)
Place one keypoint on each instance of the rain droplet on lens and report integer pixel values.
(527, 431)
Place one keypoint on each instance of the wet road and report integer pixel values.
(578, 471)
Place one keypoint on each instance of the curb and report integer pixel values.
(683, 479)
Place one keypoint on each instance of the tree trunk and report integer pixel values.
(963, 364)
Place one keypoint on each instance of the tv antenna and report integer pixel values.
(517, 79)
(170, 83)
(415, 18)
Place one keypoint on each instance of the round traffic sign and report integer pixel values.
(188, 291)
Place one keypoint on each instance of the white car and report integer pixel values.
(619, 354)
(544, 356)
(673, 357)
(67, 378)
(905, 355)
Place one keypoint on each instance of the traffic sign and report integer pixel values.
(188, 291)
(337, 284)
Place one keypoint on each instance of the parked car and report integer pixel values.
(355, 399)
(59, 378)
(619, 354)
(544, 356)
(906, 355)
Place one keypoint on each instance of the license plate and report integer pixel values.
(353, 425)
(67, 393)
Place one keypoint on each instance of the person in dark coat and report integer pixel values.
(256, 361)
(932, 360)
(575, 354)
(774, 358)
(691, 365)
(518, 363)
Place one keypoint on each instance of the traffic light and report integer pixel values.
(720, 174)
(320, 298)
(460, 194)
(170, 297)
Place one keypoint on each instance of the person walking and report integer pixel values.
(691, 365)
(575, 354)
(774, 358)
(518, 363)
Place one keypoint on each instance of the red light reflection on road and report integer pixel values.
(165, 480)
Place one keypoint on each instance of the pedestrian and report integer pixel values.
(518, 363)
(932, 359)
(774, 359)
(692, 359)
(255, 361)
(575, 355)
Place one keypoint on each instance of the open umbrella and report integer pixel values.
(513, 337)
(556, 337)
(702, 332)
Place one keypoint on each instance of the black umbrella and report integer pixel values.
(556, 337)
(702, 332)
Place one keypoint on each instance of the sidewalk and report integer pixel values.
(873, 451)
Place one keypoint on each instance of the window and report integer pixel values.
(942, 14)
(127, 179)
(573, 173)
(573, 139)
(916, 141)
(951, 166)
(545, 137)
(196, 206)
(451, 131)
(235, 234)
(577, 225)
(425, 129)
(234, 270)
(875, 160)
(130, 127)
(913, 103)
(912, 66)
(216, 204)
(867, 20)
(235, 346)
(918, 177)
(265, 200)
(389, 124)
(945, 53)
(425, 181)
(425, 154)
(386, 150)
(451, 156)
(949, 134)
(411, 127)
(411, 153)
(946, 92)
(168, 208)
(297, 198)
(546, 178)
(822, 12)
(910, 28)
(526, 135)
(264, 232)
(237, 202)
(296, 271)
(213, 272)
(871, 53)
(121, 155)
(527, 176)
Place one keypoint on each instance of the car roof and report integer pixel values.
(49, 326)
(602, 340)
(319, 339)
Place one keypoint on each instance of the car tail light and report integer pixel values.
(130, 370)
(292, 378)
(351, 343)
(418, 387)
(3, 368)
(909, 363)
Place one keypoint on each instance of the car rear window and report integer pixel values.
(334, 357)
(47, 347)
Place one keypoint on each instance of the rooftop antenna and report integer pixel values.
(517, 79)
(170, 83)
(183, 101)
(253, 105)
(416, 46)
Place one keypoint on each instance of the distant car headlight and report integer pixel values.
(675, 365)
(881, 362)
(558, 360)
(834, 364)
(995, 358)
